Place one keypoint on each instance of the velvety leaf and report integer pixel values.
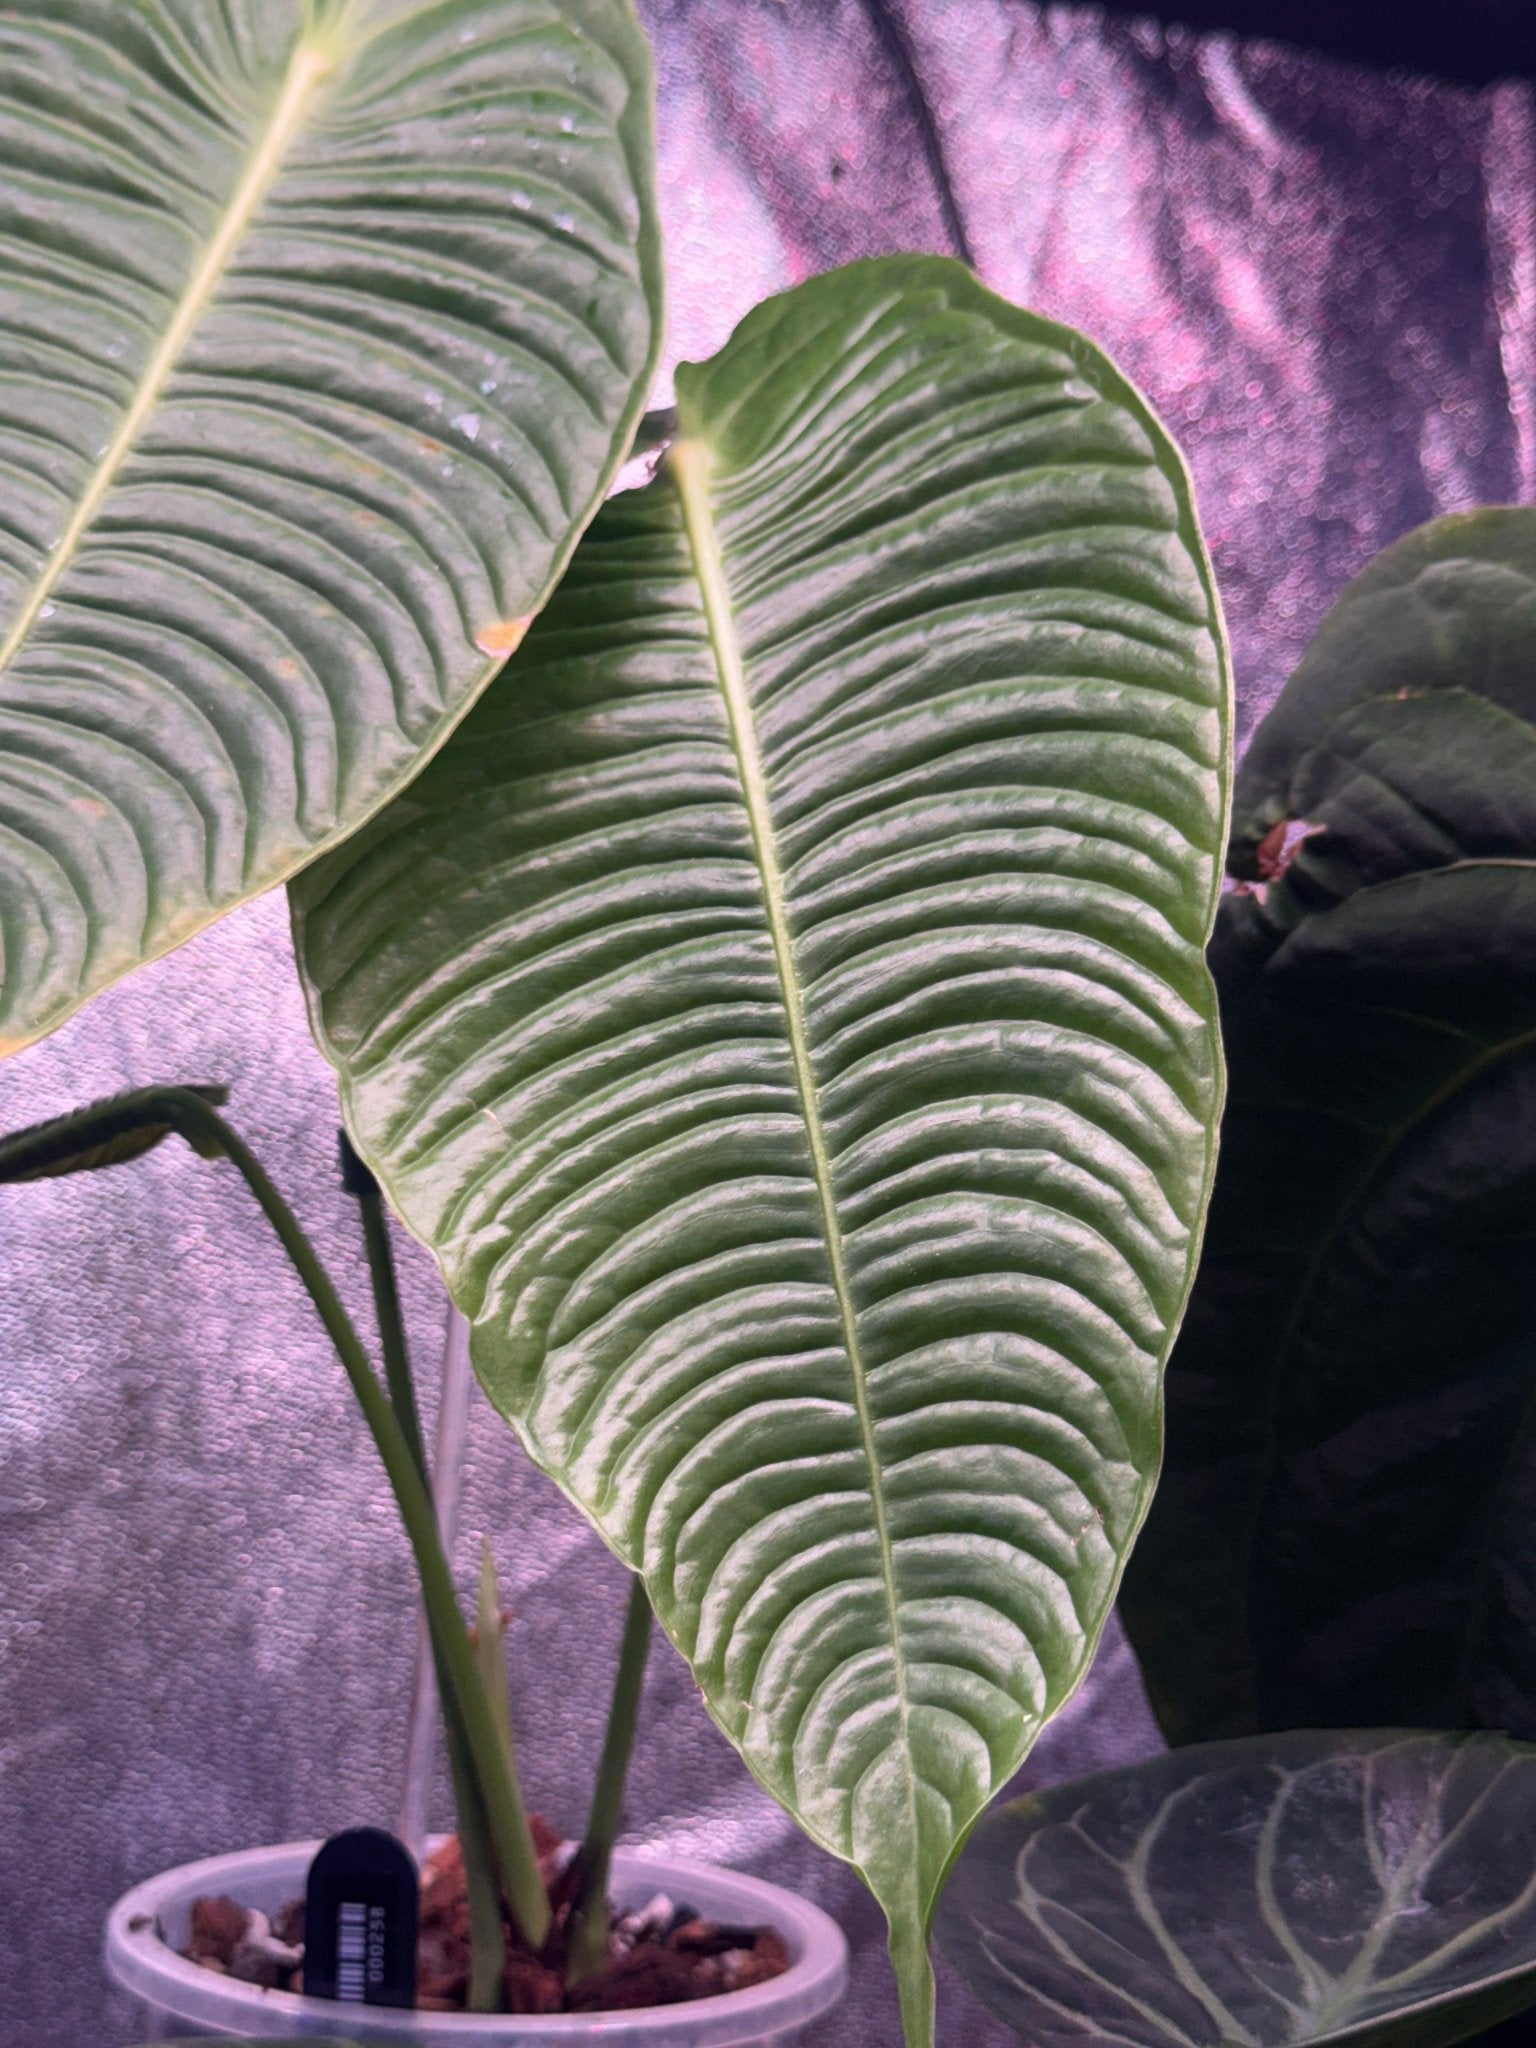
(323, 324)
(1343, 1532)
(1375, 1888)
(782, 1009)
(105, 1134)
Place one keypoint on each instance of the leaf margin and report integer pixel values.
(637, 129)
(912, 1958)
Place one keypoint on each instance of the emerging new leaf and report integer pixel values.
(782, 1009)
(323, 324)
(107, 1133)
(1375, 1888)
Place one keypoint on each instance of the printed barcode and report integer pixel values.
(352, 1953)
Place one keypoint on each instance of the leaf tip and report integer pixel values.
(914, 1981)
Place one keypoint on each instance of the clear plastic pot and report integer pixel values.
(149, 1924)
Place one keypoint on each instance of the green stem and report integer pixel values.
(491, 1649)
(588, 1950)
(399, 1381)
(487, 1932)
(506, 1818)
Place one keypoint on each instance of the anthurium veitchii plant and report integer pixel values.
(782, 1009)
(776, 993)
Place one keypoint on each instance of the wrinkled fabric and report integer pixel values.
(1325, 280)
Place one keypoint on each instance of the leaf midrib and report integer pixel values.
(688, 465)
(310, 63)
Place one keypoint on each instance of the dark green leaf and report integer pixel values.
(107, 1133)
(1344, 1530)
(1375, 1888)
(323, 324)
(782, 1009)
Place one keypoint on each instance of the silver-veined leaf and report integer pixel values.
(323, 324)
(782, 1009)
(1375, 1888)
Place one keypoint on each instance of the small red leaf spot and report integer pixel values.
(502, 636)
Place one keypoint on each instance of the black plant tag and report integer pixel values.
(360, 1911)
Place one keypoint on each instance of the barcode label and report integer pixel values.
(352, 1953)
(360, 1914)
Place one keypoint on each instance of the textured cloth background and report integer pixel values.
(1326, 281)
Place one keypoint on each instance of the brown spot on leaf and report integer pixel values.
(502, 636)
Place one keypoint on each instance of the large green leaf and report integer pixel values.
(1375, 1888)
(782, 1009)
(1343, 1533)
(323, 324)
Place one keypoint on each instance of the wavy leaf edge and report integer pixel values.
(909, 1942)
(319, 48)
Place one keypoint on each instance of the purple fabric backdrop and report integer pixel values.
(1326, 281)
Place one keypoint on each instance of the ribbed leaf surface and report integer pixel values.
(322, 325)
(1372, 1888)
(782, 1008)
(1342, 1534)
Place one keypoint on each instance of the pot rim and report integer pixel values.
(144, 1963)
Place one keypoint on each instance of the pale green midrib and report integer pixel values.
(688, 465)
(308, 65)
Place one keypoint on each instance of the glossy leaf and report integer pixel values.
(323, 324)
(1375, 1888)
(782, 1009)
(1343, 1532)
